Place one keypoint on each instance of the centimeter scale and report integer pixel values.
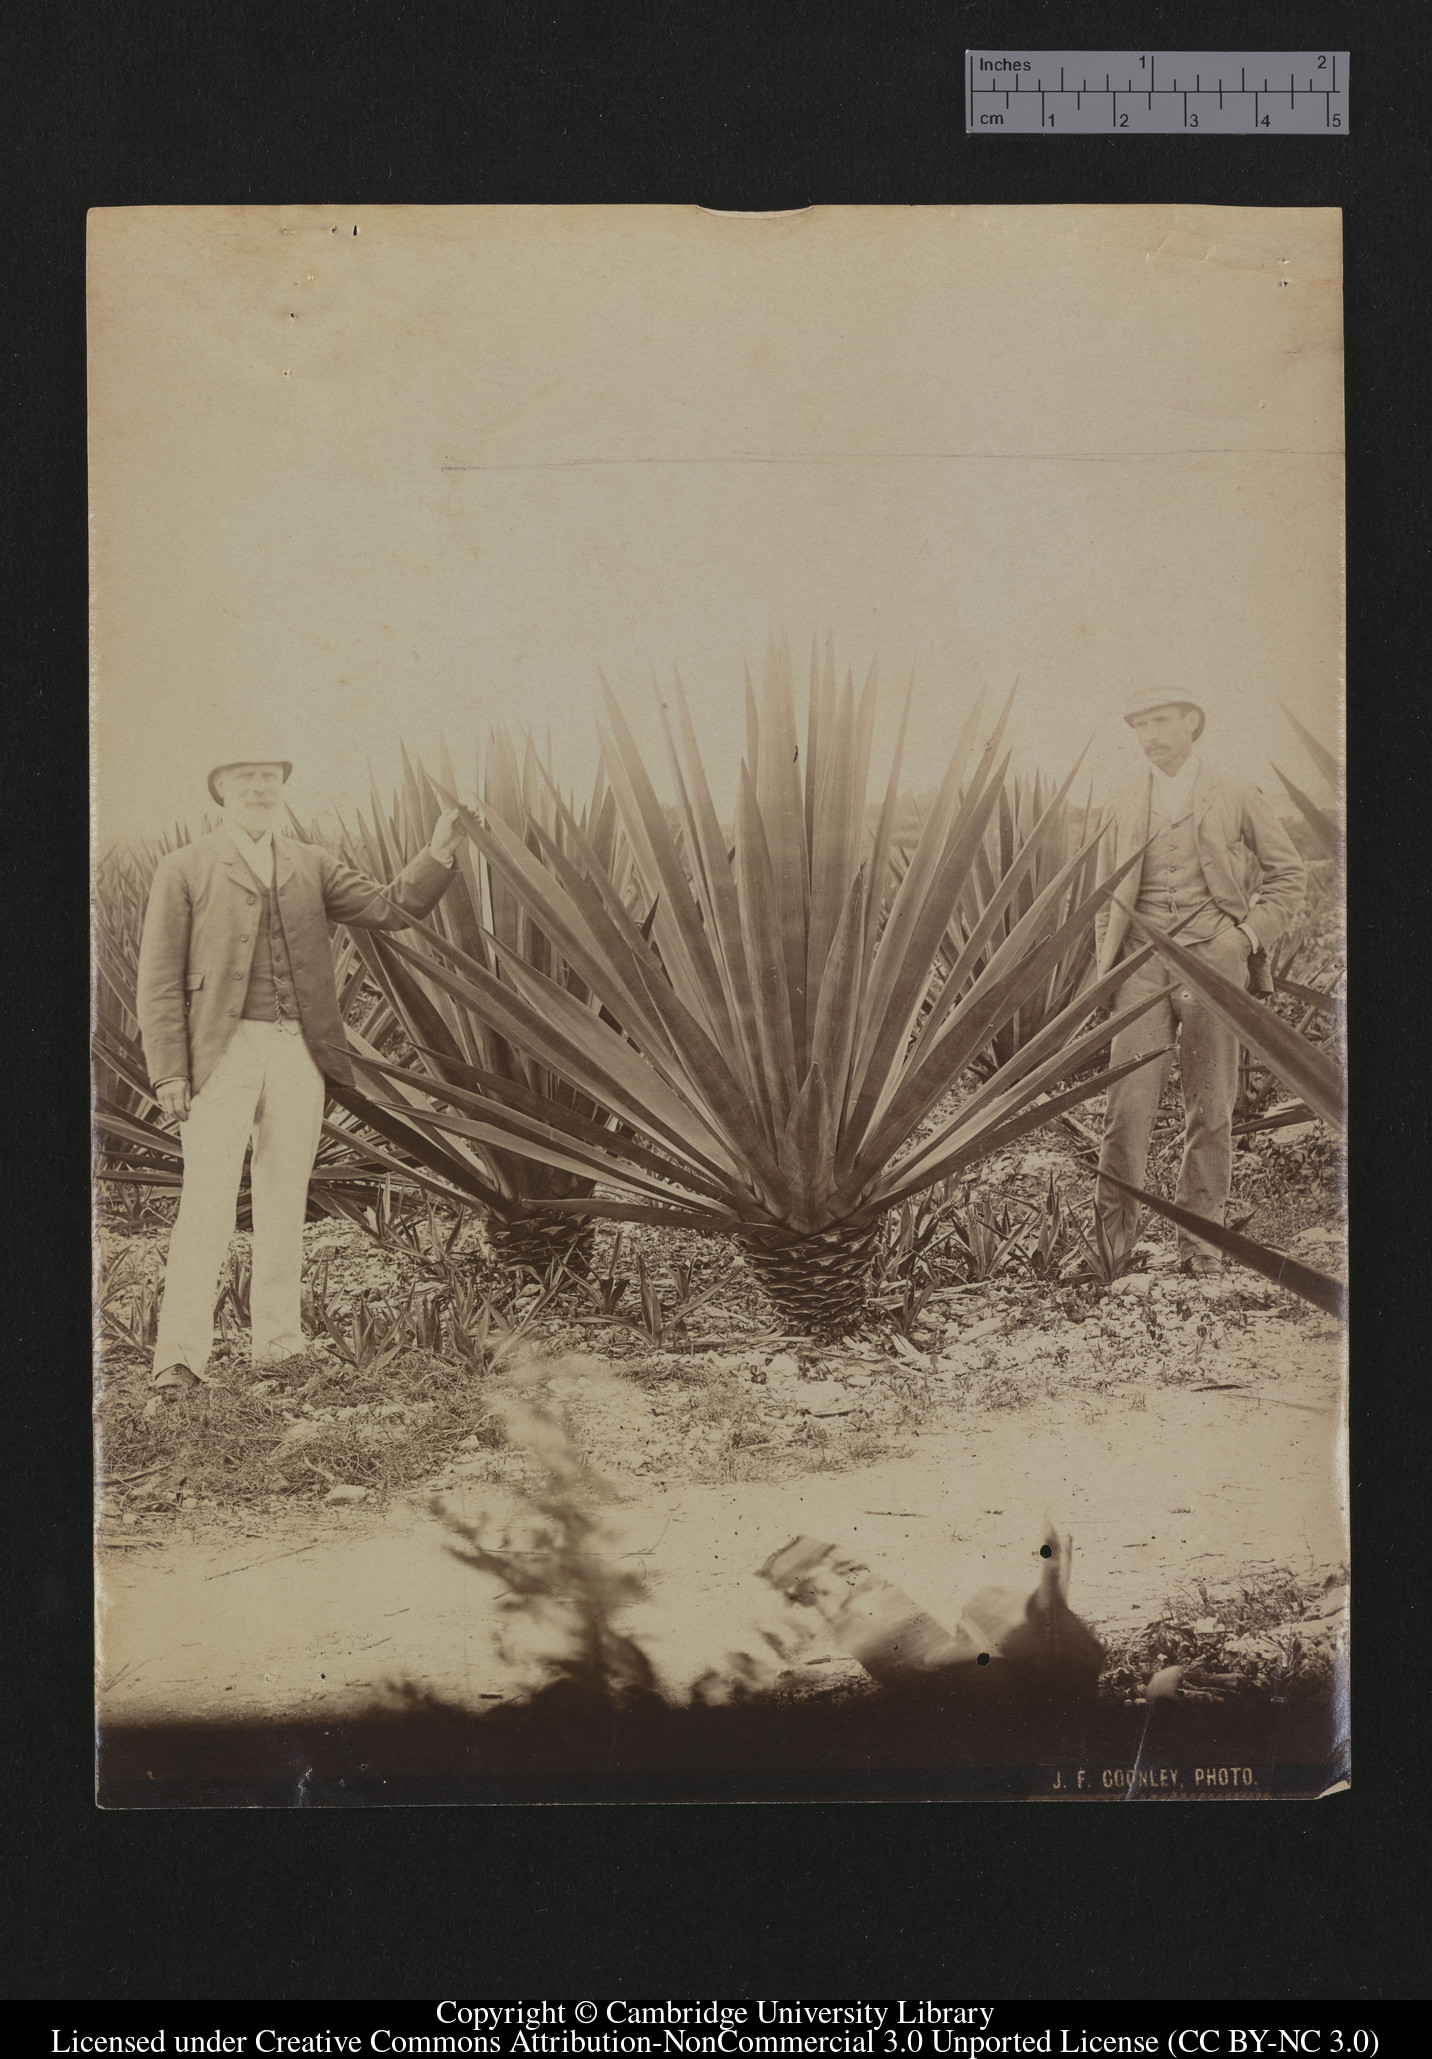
(1156, 92)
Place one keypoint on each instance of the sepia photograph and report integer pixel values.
(718, 983)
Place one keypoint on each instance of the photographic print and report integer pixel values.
(718, 981)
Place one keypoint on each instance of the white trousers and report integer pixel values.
(266, 1086)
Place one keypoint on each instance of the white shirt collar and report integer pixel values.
(257, 856)
(1175, 789)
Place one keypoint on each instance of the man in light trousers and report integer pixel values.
(1220, 868)
(238, 1011)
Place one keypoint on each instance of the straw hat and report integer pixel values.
(248, 758)
(1144, 699)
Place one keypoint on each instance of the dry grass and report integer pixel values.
(1268, 1632)
(309, 1425)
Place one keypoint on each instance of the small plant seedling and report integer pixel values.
(1104, 1261)
(605, 1291)
(128, 1307)
(236, 1290)
(985, 1244)
(1049, 1253)
(652, 1320)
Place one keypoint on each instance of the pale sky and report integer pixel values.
(351, 488)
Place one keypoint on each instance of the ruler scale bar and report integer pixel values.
(1014, 92)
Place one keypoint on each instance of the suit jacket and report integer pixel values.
(200, 929)
(1254, 874)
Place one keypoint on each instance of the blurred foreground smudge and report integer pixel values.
(565, 1584)
(562, 1586)
(1003, 1705)
(1035, 1642)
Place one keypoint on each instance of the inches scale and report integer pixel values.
(1156, 93)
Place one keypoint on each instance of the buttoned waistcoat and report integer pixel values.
(200, 929)
(1253, 871)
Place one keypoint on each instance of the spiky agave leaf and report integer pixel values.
(1321, 1289)
(1322, 757)
(448, 1044)
(1035, 818)
(1309, 1070)
(1323, 827)
(772, 1064)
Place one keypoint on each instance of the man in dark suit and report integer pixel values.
(1221, 868)
(239, 1015)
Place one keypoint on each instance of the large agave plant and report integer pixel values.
(448, 1044)
(774, 1074)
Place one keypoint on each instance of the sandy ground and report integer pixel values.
(1158, 1484)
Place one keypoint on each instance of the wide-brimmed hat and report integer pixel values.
(249, 758)
(1144, 699)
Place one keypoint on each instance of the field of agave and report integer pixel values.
(799, 1030)
(776, 1127)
